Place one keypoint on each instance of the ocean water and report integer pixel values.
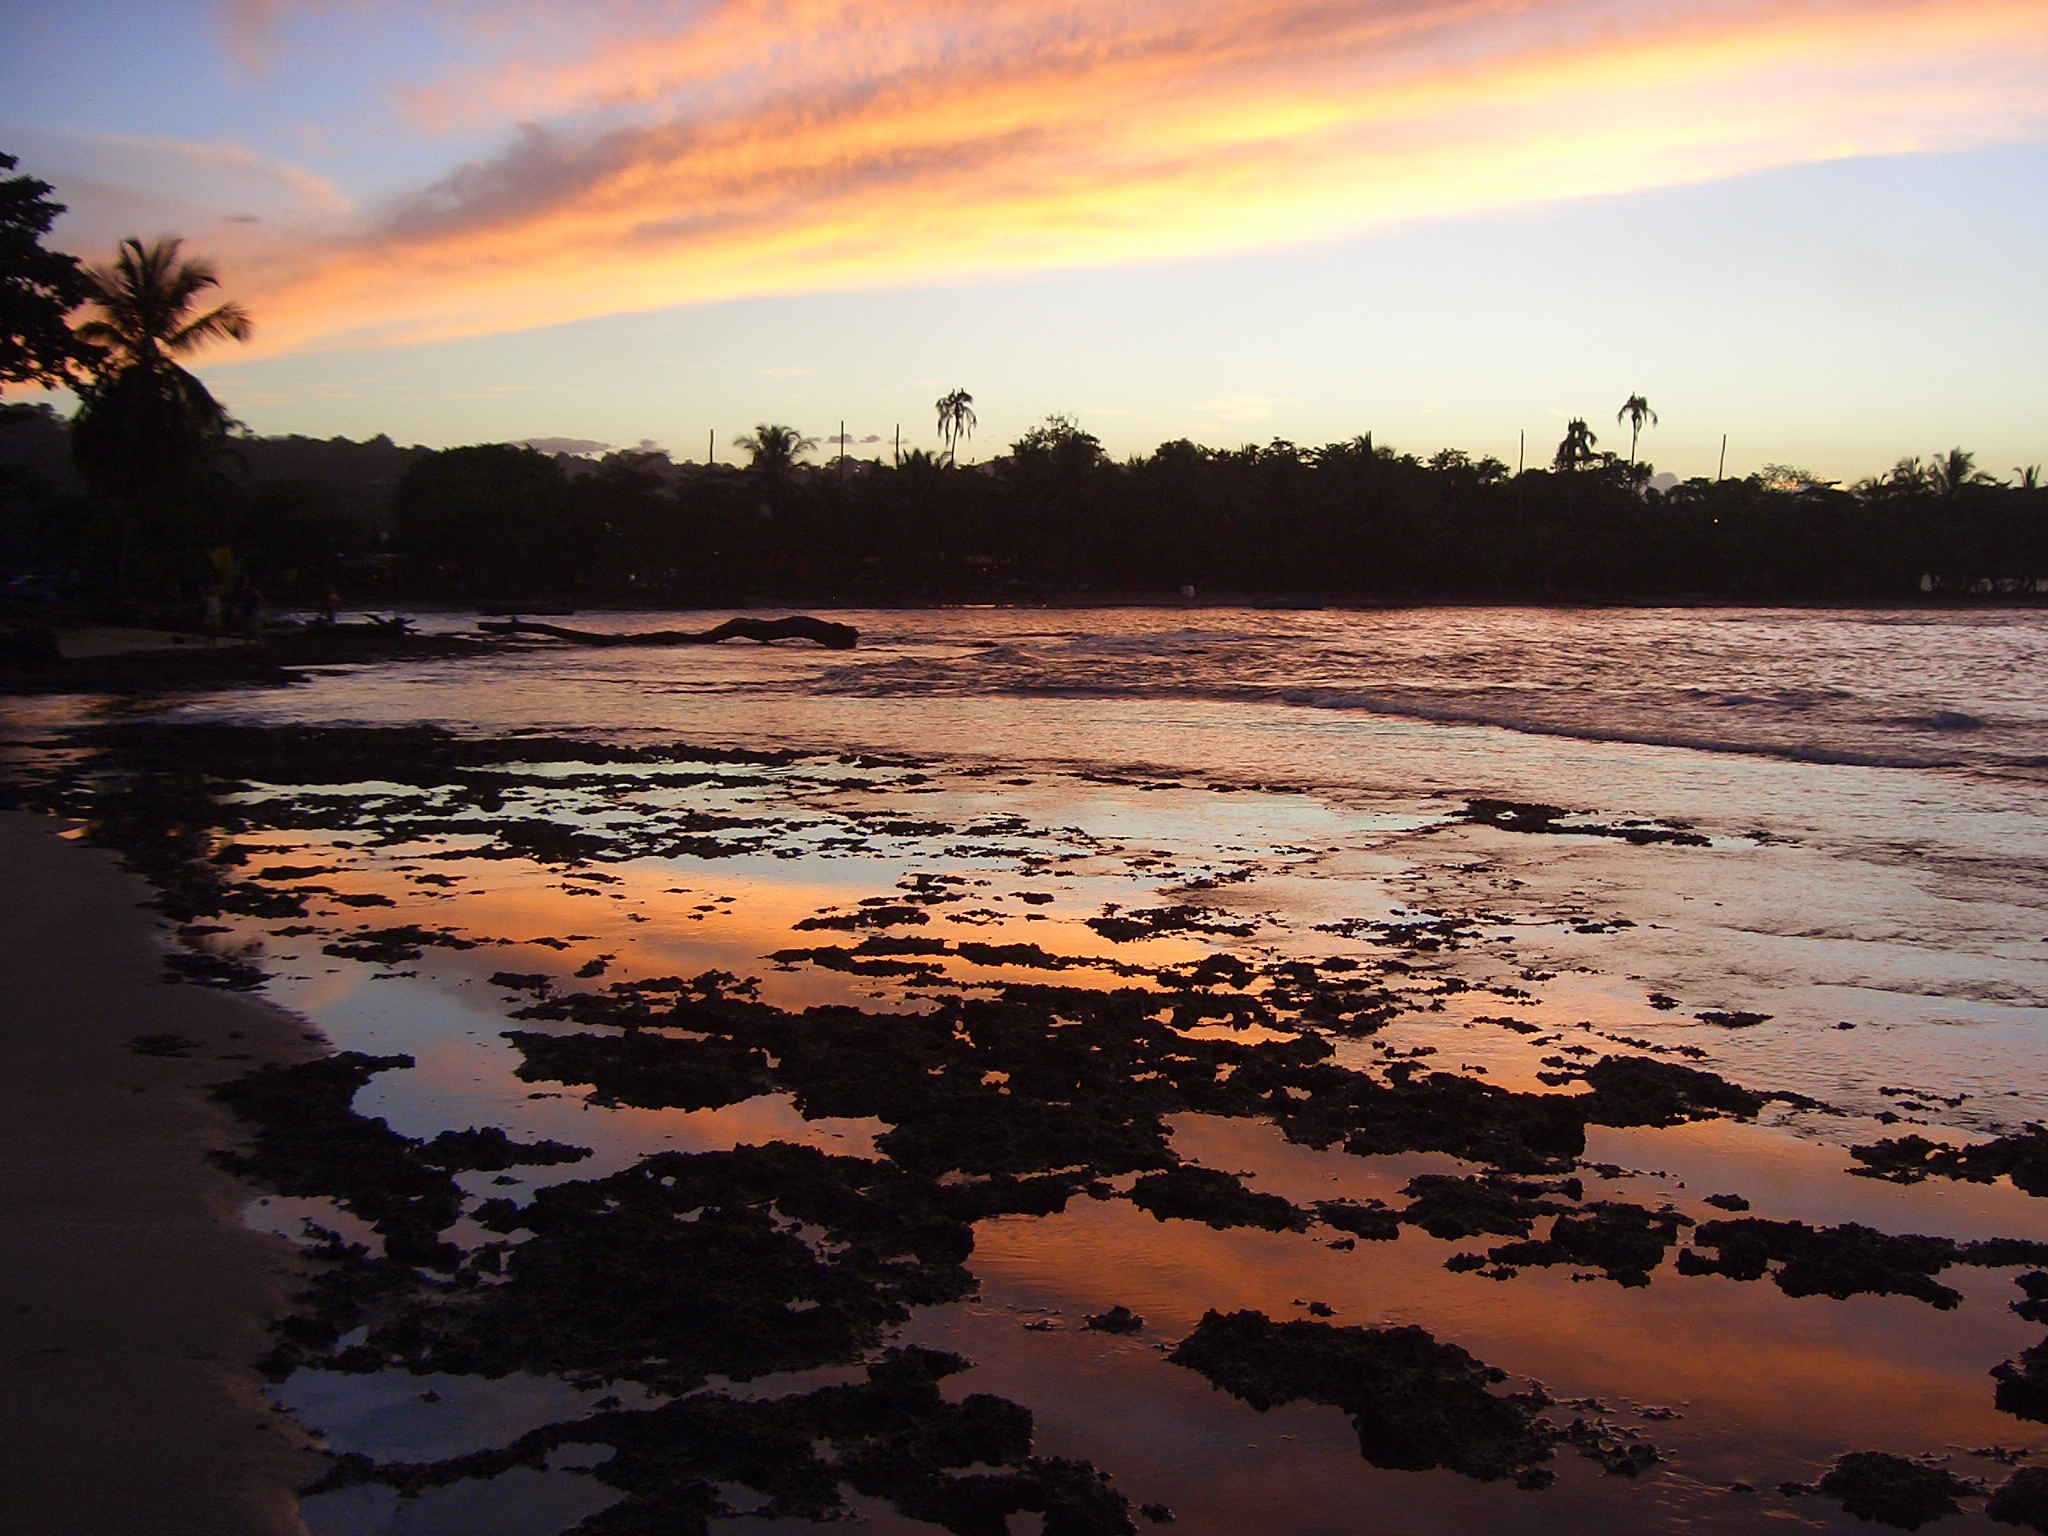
(1863, 868)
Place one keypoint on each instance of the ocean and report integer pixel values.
(1358, 903)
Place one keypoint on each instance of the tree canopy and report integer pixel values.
(39, 288)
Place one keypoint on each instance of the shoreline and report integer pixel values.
(135, 1302)
(96, 663)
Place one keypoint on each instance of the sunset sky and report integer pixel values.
(1821, 228)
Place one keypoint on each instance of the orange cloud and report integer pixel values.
(796, 145)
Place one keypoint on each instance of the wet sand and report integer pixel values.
(134, 1301)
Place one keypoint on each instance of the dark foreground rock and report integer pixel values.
(2023, 1384)
(1849, 1260)
(1624, 1242)
(1220, 1199)
(307, 1139)
(1892, 1490)
(892, 1436)
(2022, 1500)
(2023, 1157)
(1416, 1403)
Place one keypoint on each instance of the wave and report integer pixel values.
(1642, 734)
(1795, 688)
(918, 678)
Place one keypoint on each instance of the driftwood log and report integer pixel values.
(834, 637)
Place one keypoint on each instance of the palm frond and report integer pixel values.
(230, 322)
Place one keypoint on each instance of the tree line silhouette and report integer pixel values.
(1056, 516)
(150, 491)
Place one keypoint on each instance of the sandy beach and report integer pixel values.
(135, 1299)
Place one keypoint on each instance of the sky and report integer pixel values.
(1815, 226)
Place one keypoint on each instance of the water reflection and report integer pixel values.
(895, 864)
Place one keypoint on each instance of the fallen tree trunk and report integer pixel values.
(834, 637)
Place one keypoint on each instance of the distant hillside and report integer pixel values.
(360, 476)
(36, 439)
(357, 477)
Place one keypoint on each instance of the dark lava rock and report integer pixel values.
(1373, 1222)
(1122, 928)
(836, 958)
(1726, 1202)
(644, 1071)
(1158, 1514)
(687, 1265)
(1909, 1159)
(1640, 1090)
(866, 917)
(1118, 1319)
(1625, 1242)
(490, 1150)
(1442, 1112)
(1892, 1490)
(207, 969)
(1416, 1404)
(308, 1141)
(2035, 1308)
(1447, 1206)
(892, 1436)
(2023, 1384)
(389, 946)
(1733, 1020)
(1027, 956)
(1220, 1199)
(2022, 1499)
(1844, 1261)
(164, 1044)
(1528, 816)
(521, 981)
(1620, 1452)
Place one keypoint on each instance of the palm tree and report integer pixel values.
(1576, 450)
(773, 450)
(1953, 470)
(1635, 411)
(956, 420)
(145, 426)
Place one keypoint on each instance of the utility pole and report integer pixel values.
(842, 450)
(1723, 469)
(711, 446)
(1522, 453)
(899, 445)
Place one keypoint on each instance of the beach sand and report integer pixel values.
(133, 1299)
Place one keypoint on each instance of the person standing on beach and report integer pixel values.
(252, 614)
(212, 613)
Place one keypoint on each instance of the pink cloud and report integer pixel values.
(761, 146)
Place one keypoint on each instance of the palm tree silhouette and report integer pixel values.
(1577, 448)
(1635, 411)
(1953, 470)
(956, 420)
(144, 424)
(773, 450)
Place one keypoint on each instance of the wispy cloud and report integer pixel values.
(1242, 409)
(763, 146)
